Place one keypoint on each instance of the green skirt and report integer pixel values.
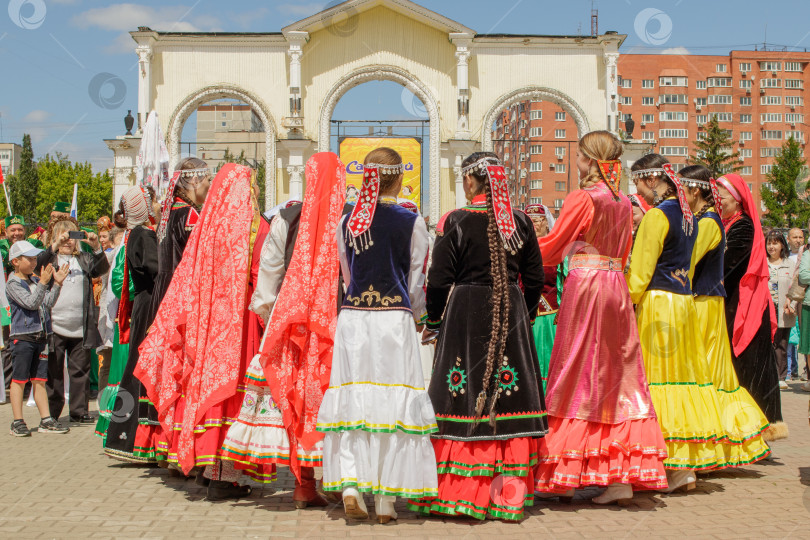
(544, 330)
(106, 401)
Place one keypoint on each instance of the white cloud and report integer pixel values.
(37, 116)
(245, 18)
(676, 50)
(302, 10)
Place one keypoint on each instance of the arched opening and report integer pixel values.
(535, 133)
(222, 124)
(410, 108)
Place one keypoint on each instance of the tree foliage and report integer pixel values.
(714, 150)
(785, 197)
(24, 186)
(57, 175)
(258, 165)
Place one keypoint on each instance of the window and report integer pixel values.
(626, 100)
(224, 123)
(536, 166)
(536, 149)
(647, 118)
(673, 150)
(701, 135)
(674, 133)
(721, 116)
(745, 101)
(721, 68)
(558, 203)
(745, 67)
(765, 169)
(770, 100)
(794, 100)
(770, 152)
(794, 83)
(536, 115)
(559, 186)
(701, 119)
(536, 132)
(746, 171)
(648, 136)
(771, 135)
(715, 82)
(700, 101)
(559, 133)
(223, 115)
(797, 135)
(770, 117)
(793, 118)
(746, 84)
(720, 99)
(745, 119)
(770, 83)
(535, 200)
(560, 168)
(559, 152)
(625, 83)
(672, 116)
(770, 66)
(537, 184)
(794, 66)
(559, 116)
(746, 153)
(648, 101)
(673, 81)
(647, 83)
(746, 136)
(678, 99)
(700, 85)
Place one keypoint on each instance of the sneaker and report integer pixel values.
(49, 425)
(806, 386)
(19, 429)
(783, 385)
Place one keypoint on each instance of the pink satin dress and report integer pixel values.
(603, 428)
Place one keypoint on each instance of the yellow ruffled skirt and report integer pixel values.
(742, 420)
(680, 383)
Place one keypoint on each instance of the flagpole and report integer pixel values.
(5, 191)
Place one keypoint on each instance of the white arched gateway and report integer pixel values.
(294, 78)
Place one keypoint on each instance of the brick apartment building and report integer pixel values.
(759, 96)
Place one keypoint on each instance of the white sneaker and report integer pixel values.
(783, 385)
(806, 386)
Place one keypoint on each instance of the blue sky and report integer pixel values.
(57, 54)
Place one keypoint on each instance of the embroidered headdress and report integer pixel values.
(357, 228)
(688, 218)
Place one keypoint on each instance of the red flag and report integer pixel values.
(1, 175)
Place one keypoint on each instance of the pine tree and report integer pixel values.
(24, 186)
(714, 150)
(783, 197)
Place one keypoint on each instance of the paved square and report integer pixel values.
(62, 486)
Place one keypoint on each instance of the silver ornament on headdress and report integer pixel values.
(187, 173)
(387, 169)
(692, 183)
(481, 165)
(646, 173)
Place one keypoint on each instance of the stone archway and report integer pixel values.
(532, 92)
(220, 91)
(389, 73)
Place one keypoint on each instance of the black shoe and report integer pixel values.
(19, 429)
(84, 419)
(49, 425)
(201, 480)
(220, 491)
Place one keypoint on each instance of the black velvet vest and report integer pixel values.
(708, 279)
(672, 270)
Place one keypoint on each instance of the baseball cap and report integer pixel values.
(23, 248)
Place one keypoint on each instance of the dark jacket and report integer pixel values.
(93, 265)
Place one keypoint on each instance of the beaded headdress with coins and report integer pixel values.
(358, 235)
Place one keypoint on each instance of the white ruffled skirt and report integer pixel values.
(376, 415)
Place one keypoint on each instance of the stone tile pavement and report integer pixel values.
(62, 486)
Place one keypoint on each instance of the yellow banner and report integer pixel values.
(353, 151)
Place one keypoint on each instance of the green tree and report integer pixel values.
(57, 176)
(259, 166)
(24, 186)
(783, 197)
(714, 150)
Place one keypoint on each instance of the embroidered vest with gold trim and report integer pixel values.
(672, 271)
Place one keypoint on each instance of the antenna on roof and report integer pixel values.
(594, 20)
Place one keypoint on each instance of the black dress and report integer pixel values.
(132, 438)
(461, 263)
(756, 365)
(170, 251)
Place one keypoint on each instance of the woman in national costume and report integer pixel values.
(603, 428)
(133, 213)
(376, 414)
(671, 339)
(742, 420)
(750, 313)
(201, 340)
(299, 293)
(545, 325)
(131, 437)
(486, 385)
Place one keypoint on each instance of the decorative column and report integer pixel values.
(296, 173)
(144, 83)
(461, 200)
(463, 43)
(612, 91)
(295, 121)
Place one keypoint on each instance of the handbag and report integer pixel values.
(797, 291)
